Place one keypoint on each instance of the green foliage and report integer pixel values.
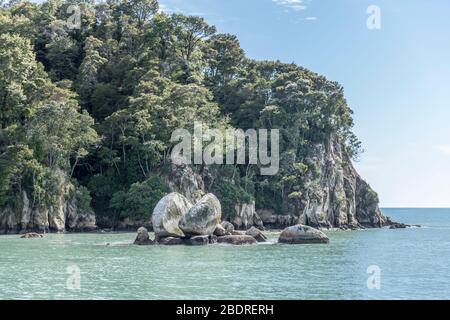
(99, 105)
(140, 200)
(372, 197)
(83, 198)
(229, 195)
(22, 79)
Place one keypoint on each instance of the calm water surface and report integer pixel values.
(414, 265)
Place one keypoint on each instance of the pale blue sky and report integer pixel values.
(397, 79)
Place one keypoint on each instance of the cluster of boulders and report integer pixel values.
(177, 221)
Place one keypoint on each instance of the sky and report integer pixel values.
(396, 78)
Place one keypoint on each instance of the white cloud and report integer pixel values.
(444, 148)
(295, 5)
(164, 8)
(311, 18)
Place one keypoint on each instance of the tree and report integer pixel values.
(21, 80)
(89, 68)
(224, 58)
(62, 54)
(141, 75)
(140, 200)
(61, 134)
(190, 32)
(143, 10)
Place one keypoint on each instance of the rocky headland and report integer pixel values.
(90, 146)
(178, 221)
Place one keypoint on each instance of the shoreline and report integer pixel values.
(276, 230)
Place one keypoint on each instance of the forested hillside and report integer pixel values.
(86, 117)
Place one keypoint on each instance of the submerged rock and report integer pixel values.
(403, 226)
(167, 215)
(213, 239)
(31, 235)
(300, 234)
(237, 239)
(170, 241)
(257, 234)
(142, 238)
(198, 241)
(202, 219)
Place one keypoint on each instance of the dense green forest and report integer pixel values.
(97, 105)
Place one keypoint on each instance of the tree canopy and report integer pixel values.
(99, 103)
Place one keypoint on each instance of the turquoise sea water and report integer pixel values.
(414, 264)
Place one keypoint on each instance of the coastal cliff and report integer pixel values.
(66, 213)
(337, 197)
(343, 200)
(87, 118)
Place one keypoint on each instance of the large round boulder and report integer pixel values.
(142, 238)
(167, 215)
(202, 218)
(300, 234)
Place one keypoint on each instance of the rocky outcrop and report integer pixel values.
(276, 221)
(198, 241)
(203, 217)
(340, 198)
(220, 231)
(403, 226)
(237, 239)
(367, 212)
(170, 241)
(332, 194)
(167, 215)
(228, 226)
(76, 218)
(257, 234)
(193, 241)
(65, 213)
(32, 235)
(246, 216)
(300, 234)
(182, 179)
(143, 238)
(213, 239)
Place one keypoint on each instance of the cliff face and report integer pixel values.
(64, 215)
(337, 197)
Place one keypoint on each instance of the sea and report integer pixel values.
(412, 263)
